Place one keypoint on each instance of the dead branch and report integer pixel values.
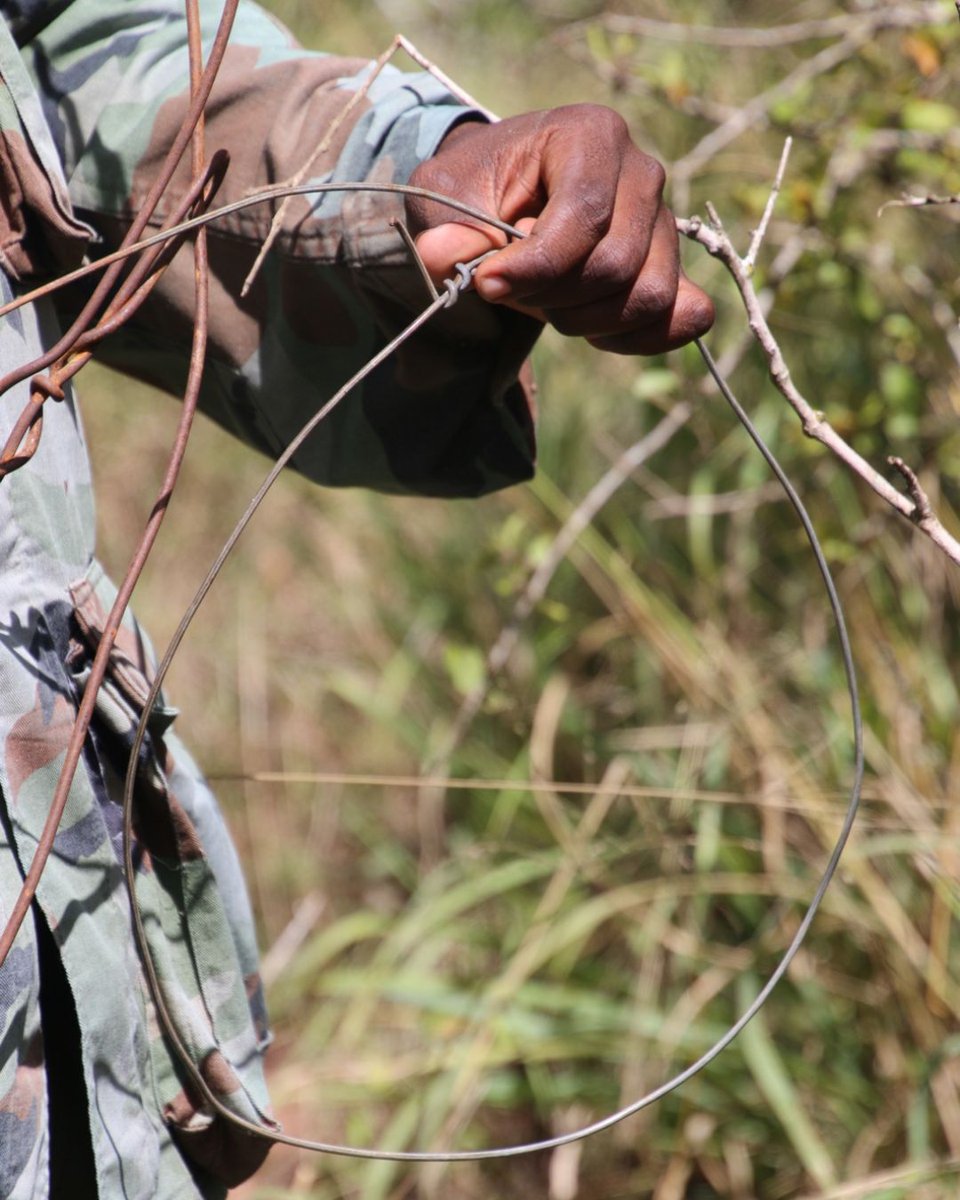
(901, 16)
(755, 110)
(908, 201)
(750, 258)
(915, 506)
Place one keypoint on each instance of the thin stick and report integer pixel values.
(414, 253)
(399, 43)
(902, 16)
(321, 148)
(750, 258)
(451, 85)
(908, 201)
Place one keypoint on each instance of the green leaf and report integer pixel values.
(654, 382)
(772, 1077)
(929, 116)
(899, 384)
(465, 666)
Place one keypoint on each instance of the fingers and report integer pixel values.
(691, 316)
(442, 247)
(601, 260)
(582, 162)
(628, 281)
(595, 230)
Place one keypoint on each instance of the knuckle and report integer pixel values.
(602, 121)
(652, 297)
(657, 173)
(699, 314)
(545, 263)
(651, 173)
(613, 267)
(536, 267)
(594, 211)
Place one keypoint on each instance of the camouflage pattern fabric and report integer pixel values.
(89, 99)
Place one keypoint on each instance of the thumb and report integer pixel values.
(443, 246)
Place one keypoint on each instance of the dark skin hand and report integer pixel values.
(601, 259)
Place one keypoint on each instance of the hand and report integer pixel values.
(601, 258)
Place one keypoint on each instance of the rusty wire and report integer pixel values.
(117, 297)
(78, 339)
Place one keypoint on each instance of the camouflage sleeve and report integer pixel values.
(449, 416)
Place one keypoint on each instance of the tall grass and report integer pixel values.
(491, 963)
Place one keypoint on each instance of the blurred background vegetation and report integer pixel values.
(486, 964)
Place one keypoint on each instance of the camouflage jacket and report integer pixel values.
(90, 95)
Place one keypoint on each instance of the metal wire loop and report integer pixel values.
(452, 288)
(23, 442)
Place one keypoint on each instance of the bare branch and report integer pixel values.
(908, 201)
(414, 253)
(915, 506)
(451, 85)
(922, 509)
(281, 954)
(755, 110)
(713, 504)
(901, 16)
(750, 258)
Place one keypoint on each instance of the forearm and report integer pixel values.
(338, 280)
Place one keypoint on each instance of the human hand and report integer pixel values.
(601, 257)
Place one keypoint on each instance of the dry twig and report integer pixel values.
(908, 201)
(915, 506)
(376, 68)
(750, 258)
(898, 16)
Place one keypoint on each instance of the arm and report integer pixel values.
(600, 259)
(448, 417)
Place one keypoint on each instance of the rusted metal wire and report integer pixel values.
(136, 286)
(126, 300)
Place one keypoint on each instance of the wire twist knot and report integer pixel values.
(456, 287)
